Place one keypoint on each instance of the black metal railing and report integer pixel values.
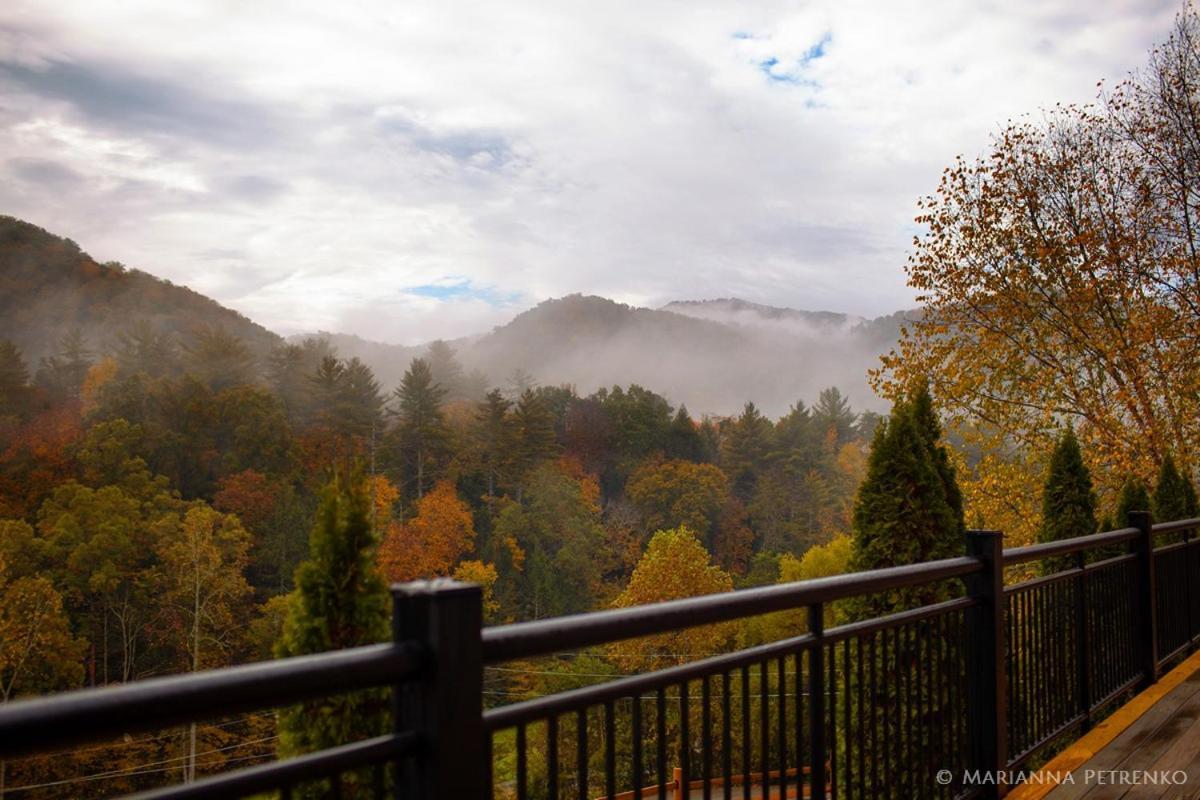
(979, 677)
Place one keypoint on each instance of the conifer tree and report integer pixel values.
(534, 441)
(339, 601)
(1171, 499)
(493, 438)
(1134, 497)
(1068, 502)
(683, 439)
(931, 429)
(421, 428)
(902, 515)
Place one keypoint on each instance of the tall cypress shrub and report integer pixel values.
(1068, 502)
(1171, 500)
(339, 601)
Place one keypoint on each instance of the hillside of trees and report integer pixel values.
(159, 496)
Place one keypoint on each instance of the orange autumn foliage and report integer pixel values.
(430, 544)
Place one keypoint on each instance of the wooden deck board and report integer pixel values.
(1166, 737)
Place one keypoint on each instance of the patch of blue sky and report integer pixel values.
(462, 289)
(793, 74)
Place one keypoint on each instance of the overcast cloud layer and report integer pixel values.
(406, 171)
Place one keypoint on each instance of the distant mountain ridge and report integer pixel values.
(48, 286)
(712, 355)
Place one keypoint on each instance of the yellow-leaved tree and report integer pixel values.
(675, 565)
(1060, 282)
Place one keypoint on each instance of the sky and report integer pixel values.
(412, 170)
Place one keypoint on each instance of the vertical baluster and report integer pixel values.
(860, 733)
(726, 740)
(816, 698)
(635, 724)
(552, 757)
(685, 744)
(522, 767)
(706, 736)
(781, 735)
(581, 752)
(746, 732)
(660, 725)
(610, 750)
(764, 716)
(846, 756)
(872, 694)
(798, 685)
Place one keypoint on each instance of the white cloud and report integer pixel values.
(304, 162)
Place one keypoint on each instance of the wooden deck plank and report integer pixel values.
(1119, 750)
(1170, 689)
(1146, 741)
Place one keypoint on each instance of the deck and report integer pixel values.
(1150, 748)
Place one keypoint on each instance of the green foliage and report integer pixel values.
(902, 514)
(420, 439)
(339, 602)
(1068, 502)
(1134, 497)
(1174, 497)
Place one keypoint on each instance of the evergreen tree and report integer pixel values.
(1068, 502)
(14, 378)
(745, 449)
(493, 438)
(902, 515)
(1171, 501)
(1134, 497)
(447, 371)
(421, 426)
(533, 433)
(832, 413)
(683, 439)
(339, 602)
(927, 423)
(64, 372)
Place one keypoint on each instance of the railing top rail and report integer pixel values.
(1176, 525)
(30, 725)
(541, 637)
(1033, 552)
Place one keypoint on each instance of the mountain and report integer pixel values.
(713, 355)
(48, 286)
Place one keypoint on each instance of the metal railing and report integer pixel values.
(982, 676)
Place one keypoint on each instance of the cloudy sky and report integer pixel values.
(409, 169)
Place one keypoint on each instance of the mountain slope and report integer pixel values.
(49, 286)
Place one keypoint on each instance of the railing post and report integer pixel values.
(446, 705)
(1083, 665)
(816, 702)
(987, 704)
(1146, 619)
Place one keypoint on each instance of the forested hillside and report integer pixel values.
(160, 490)
(49, 288)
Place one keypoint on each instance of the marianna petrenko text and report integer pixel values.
(1087, 777)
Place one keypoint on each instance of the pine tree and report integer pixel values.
(421, 426)
(339, 602)
(534, 441)
(1171, 501)
(902, 515)
(745, 449)
(493, 438)
(683, 439)
(447, 371)
(1068, 502)
(832, 412)
(927, 423)
(1134, 497)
